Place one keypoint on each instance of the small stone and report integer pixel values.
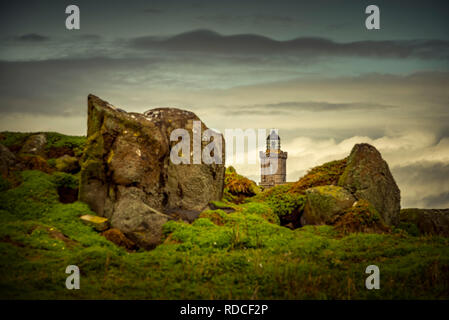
(99, 223)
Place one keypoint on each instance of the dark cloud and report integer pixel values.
(153, 11)
(212, 42)
(311, 106)
(32, 37)
(439, 201)
(89, 37)
(56, 87)
(258, 19)
(424, 184)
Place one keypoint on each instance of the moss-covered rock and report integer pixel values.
(35, 145)
(367, 176)
(129, 154)
(360, 217)
(324, 202)
(425, 221)
(67, 164)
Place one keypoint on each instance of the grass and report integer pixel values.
(240, 255)
(323, 175)
(55, 141)
(237, 187)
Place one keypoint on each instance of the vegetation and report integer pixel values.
(237, 187)
(57, 144)
(326, 174)
(361, 217)
(281, 201)
(242, 253)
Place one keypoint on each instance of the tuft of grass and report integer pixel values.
(237, 187)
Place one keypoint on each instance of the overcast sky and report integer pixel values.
(310, 69)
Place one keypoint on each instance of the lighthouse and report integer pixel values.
(273, 162)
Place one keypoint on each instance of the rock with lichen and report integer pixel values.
(126, 164)
(67, 164)
(425, 221)
(367, 176)
(324, 202)
(35, 145)
(360, 217)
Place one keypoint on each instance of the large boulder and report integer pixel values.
(425, 221)
(323, 203)
(35, 145)
(368, 177)
(128, 177)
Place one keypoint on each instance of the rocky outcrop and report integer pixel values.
(128, 177)
(367, 176)
(425, 221)
(323, 203)
(35, 145)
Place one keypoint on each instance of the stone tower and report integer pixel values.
(273, 162)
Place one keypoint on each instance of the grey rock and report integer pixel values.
(368, 177)
(428, 221)
(323, 203)
(35, 145)
(126, 170)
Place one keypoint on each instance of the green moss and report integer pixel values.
(57, 140)
(4, 184)
(51, 163)
(216, 216)
(326, 174)
(61, 179)
(240, 255)
(411, 228)
(14, 139)
(32, 198)
(281, 201)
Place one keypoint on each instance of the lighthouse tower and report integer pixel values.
(273, 163)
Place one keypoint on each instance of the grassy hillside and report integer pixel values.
(244, 254)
